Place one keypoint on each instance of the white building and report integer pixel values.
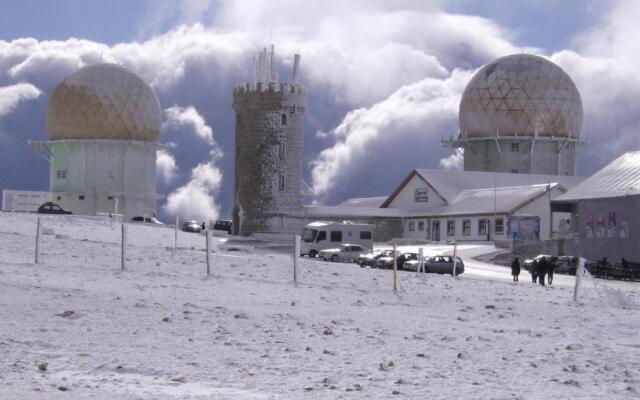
(103, 124)
(445, 205)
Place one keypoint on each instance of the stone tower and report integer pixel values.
(268, 152)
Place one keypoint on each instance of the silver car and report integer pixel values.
(344, 253)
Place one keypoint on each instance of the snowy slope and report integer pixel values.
(163, 330)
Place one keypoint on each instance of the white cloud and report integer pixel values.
(178, 116)
(11, 96)
(195, 200)
(166, 167)
(378, 138)
(454, 161)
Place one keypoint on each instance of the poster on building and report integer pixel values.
(600, 226)
(589, 226)
(611, 225)
(523, 227)
(623, 233)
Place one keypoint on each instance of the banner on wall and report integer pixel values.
(523, 227)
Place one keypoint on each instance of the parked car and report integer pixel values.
(223, 225)
(552, 259)
(386, 262)
(368, 259)
(191, 226)
(344, 253)
(437, 265)
(567, 265)
(52, 208)
(147, 220)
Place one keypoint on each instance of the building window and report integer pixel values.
(365, 235)
(281, 149)
(109, 197)
(421, 225)
(283, 119)
(514, 171)
(466, 227)
(515, 147)
(59, 197)
(80, 197)
(336, 236)
(61, 174)
(281, 183)
(412, 226)
(482, 226)
(499, 226)
(451, 228)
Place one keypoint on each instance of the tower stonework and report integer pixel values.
(268, 149)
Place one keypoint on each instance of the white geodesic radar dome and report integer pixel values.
(104, 101)
(523, 95)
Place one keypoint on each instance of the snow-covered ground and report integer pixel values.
(75, 326)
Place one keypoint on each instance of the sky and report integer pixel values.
(383, 80)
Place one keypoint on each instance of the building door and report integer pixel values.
(435, 231)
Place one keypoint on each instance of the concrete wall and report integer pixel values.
(603, 238)
(267, 148)
(548, 157)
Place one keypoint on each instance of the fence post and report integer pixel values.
(579, 276)
(38, 232)
(208, 235)
(455, 257)
(395, 268)
(420, 269)
(296, 256)
(123, 249)
(175, 237)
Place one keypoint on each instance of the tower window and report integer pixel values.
(283, 119)
(109, 197)
(80, 197)
(281, 183)
(61, 174)
(281, 149)
(515, 147)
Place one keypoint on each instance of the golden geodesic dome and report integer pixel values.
(104, 101)
(521, 95)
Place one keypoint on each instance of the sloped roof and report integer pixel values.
(619, 178)
(450, 183)
(487, 200)
(370, 202)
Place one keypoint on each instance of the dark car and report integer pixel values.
(52, 208)
(191, 226)
(147, 220)
(223, 225)
(438, 265)
(386, 262)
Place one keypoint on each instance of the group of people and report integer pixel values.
(539, 269)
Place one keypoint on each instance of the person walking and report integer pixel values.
(542, 270)
(533, 270)
(515, 269)
(551, 268)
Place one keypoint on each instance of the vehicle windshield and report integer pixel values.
(309, 235)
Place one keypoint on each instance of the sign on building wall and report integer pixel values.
(601, 226)
(23, 200)
(523, 227)
(421, 195)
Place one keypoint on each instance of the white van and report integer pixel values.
(320, 235)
